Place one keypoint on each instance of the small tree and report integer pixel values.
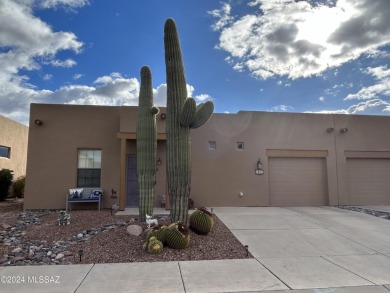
(6, 178)
(18, 186)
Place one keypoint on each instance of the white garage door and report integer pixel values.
(369, 181)
(298, 182)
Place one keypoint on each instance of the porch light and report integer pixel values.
(259, 170)
(38, 122)
(159, 161)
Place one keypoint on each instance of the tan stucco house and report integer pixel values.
(308, 159)
(13, 146)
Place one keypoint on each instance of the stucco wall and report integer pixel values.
(53, 148)
(15, 136)
(218, 176)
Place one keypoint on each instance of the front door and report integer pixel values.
(132, 192)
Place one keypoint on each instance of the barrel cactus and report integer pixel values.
(177, 236)
(146, 145)
(182, 115)
(159, 232)
(155, 246)
(201, 221)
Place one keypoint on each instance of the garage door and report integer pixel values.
(369, 181)
(298, 182)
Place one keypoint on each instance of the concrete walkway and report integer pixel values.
(303, 249)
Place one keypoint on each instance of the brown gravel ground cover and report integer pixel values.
(116, 246)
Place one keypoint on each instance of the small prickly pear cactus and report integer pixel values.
(201, 221)
(177, 236)
(159, 232)
(146, 145)
(182, 115)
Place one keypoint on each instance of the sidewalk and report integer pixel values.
(297, 250)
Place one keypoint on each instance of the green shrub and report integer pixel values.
(6, 178)
(18, 186)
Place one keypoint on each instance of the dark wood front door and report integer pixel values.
(132, 192)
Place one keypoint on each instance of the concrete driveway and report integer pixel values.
(297, 250)
(315, 247)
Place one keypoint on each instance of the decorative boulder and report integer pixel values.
(134, 230)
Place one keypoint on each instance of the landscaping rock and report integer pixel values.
(134, 230)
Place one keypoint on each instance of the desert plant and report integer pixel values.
(18, 186)
(201, 221)
(182, 114)
(155, 246)
(159, 232)
(146, 144)
(177, 236)
(6, 178)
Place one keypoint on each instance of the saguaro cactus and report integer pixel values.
(182, 114)
(146, 144)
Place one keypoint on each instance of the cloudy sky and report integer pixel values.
(323, 56)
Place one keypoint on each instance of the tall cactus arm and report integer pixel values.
(187, 115)
(203, 114)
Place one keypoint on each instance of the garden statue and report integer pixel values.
(150, 221)
(63, 218)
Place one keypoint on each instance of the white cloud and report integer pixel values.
(321, 99)
(223, 16)
(380, 88)
(66, 3)
(301, 38)
(26, 42)
(47, 77)
(371, 106)
(282, 108)
(63, 63)
(77, 76)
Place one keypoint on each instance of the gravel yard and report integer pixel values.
(102, 237)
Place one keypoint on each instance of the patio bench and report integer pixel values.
(84, 195)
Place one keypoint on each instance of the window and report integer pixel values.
(89, 168)
(240, 145)
(212, 145)
(5, 152)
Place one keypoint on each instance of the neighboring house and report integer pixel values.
(308, 159)
(13, 146)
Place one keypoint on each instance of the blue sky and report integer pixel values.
(324, 56)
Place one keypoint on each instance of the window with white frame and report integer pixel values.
(5, 152)
(89, 168)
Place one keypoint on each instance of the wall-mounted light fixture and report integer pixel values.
(163, 116)
(330, 130)
(343, 130)
(38, 122)
(159, 161)
(259, 170)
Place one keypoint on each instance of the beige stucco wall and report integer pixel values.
(15, 136)
(233, 171)
(218, 176)
(53, 146)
